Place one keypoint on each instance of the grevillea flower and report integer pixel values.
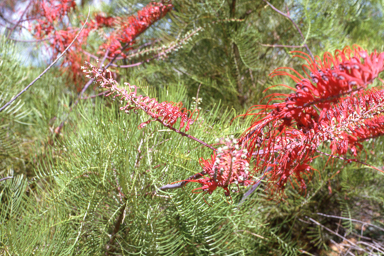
(353, 120)
(168, 113)
(230, 165)
(133, 26)
(329, 105)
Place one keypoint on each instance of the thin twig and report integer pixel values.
(18, 22)
(249, 232)
(370, 245)
(342, 218)
(294, 23)
(6, 178)
(58, 129)
(46, 70)
(174, 129)
(186, 135)
(11, 22)
(331, 97)
(197, 95)
(138, 154)
(331, 231)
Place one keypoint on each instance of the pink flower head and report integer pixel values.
(230, 165)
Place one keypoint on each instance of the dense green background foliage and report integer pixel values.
(93, 189)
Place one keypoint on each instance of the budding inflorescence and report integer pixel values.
(196, 102)
(168, 113)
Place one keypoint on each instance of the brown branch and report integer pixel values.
(46, 70)
(60, 127)
(10, 22)
(294, 23)
(109, 245)
(330, 97)
(137, 105)
(183, 183)
(331, 231)
(282, 46)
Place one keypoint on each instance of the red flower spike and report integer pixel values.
(166, 112)
(328, 105)
(133, 26)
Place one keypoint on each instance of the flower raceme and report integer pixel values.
(168, 113)
(330, 105)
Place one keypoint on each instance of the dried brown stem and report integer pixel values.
(255, 186)
(331, 231)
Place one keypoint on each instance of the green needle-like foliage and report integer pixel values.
(83, 179)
